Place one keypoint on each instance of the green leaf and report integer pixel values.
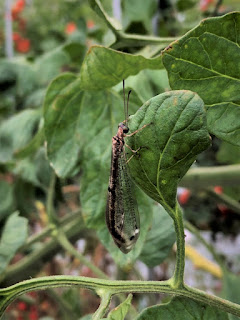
(126, 261)
(102, 13)
(228, 153)
(26, 78)
(35, 99)
(231, 289)
(159, 80)
(25, 196)
(182, 309)
(13, 237)
(32, 146)
(103, 68)
(160, 238)
(6, 199)
(61, 116)
(20, 74)
(70, 297)
(50, 64)
(120, 312)
(206, 61)
(76, 51)
(141, 85)
(35, 169)
(140, 10)
(16, 132)
(7, 73)
(7, 104)
(174, 135)
(145, 85)
(183, 5)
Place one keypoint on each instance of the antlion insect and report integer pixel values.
(122, 215)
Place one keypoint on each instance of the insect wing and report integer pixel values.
(122, 214)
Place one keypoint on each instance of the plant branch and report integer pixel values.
(105, 301)
(47, 230)
(65, 307)
(7, 295)
(30, 264)
(135, 40)
(66, 244)
(217, 6)
(112, 24)
(225, 199)
(50, 199)
(123, 39)
(178, 277)
(199, 178)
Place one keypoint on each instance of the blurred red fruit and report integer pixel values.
(17, 8)
(23, 45)
(184, 196)
(20, 4)
(33, 314)
(21, 306)
(70, 28)
(16, 36)
(204, 4)
(218, 189)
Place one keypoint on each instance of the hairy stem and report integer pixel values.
(199, 178)
(224, 199)
(66, 244)
(48, 229)
(178, 277)
(100, 286)
(105, 301)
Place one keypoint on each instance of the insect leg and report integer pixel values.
(133, 133)
(134, 152)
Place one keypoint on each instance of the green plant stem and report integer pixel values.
(210, 248)
(178, 277)
(105, 301)
(217, 6)
(134, 40)
(7, 295)
(224, 199)
(50, 198)
(47, 230)
(199, 178)
(32, 261)
(66, 308)
(123, 39)
(66, 244)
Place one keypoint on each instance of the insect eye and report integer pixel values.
(124, 127)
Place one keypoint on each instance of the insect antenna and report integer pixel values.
(124, 99)
(127, 114)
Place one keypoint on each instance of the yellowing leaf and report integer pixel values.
(201, 262)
